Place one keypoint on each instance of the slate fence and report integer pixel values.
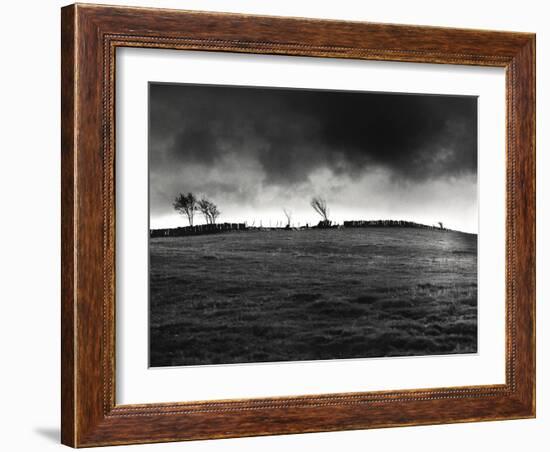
(200, 229)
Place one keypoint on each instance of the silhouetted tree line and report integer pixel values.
(189, 204)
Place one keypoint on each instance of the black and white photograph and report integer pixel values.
(292, 224)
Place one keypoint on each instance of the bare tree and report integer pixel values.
(440, 224)
(186, 205)
(320, 206)
(203, 206)
(214, 212)
(288, 215)
(209, 210)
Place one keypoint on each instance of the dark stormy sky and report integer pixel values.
(255, 151)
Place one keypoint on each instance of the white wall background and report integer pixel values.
(29, 230)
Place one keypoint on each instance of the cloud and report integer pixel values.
(239, 144)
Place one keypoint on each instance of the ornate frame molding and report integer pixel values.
(90, 37)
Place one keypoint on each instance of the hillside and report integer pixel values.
(325, 294)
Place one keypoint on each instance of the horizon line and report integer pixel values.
(315, 226)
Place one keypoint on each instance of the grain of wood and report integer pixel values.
(90, 36)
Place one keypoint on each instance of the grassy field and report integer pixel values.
(260, 296)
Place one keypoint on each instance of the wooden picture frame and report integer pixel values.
(90, 36)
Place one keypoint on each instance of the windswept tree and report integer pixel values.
(186, 205)
(288, 215)
(204, 206)
(214, 212)
(209, 210)
(320, 206)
